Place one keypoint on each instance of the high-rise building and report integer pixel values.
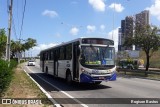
(121, 34)
(119, 39)
(126, 31)
(142, 18)
(127, 28)
(123, 23)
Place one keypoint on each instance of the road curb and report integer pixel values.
(48, 96)
(84, 105)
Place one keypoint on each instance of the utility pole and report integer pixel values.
(9, 31)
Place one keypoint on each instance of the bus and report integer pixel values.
(84, 60)
(131, 63)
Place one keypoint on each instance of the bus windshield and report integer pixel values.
(96, 55)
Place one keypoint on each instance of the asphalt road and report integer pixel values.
(126, 89)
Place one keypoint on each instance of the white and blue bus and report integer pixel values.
(90, 60)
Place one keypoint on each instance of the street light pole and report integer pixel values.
(113, 21)
(9, 31)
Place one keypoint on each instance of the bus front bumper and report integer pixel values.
(91, 79)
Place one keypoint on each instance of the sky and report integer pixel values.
(52, 22)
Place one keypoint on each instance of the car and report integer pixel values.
(31, 63)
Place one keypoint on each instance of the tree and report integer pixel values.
(16, 47)
(3, 41)
(146, 37)
(30, 43)
(19, 47)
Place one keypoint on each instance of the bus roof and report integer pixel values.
(78, 39)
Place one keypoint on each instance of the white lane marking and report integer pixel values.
(50, 97)
(84, 105)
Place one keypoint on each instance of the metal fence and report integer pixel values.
(157, 72)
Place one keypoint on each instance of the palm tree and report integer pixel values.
(30, 43)
(16, 48)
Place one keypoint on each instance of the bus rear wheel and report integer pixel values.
(46, 70)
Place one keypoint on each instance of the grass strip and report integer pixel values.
(23, 87)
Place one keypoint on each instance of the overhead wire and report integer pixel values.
(14, 29)
(24, 8)
(7, 6)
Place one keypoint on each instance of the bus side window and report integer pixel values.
(57, 53)
(68, 52)
(51, 55)
(46, 56)
(61, 53)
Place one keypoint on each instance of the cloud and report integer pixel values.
(36, 50)
(117, 7)
(74, 2)
(102, 27)
(58, 35)
(115, 37)
(50, 13)
(44, 46)
(74, 31)
(91, 28)
(155, 9)
(98, 5)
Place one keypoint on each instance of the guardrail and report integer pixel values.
(139, 71)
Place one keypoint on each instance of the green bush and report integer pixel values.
(13, 63)
(23, 60)
(6, 74)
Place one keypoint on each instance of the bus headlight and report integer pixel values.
(82, 70)
(85, 72)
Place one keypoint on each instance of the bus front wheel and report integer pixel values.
(98, 82)
(69, 78)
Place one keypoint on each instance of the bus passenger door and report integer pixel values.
(75, 61)
(42, 62)
(54, 67)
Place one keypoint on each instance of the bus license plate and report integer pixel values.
(101, 78)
